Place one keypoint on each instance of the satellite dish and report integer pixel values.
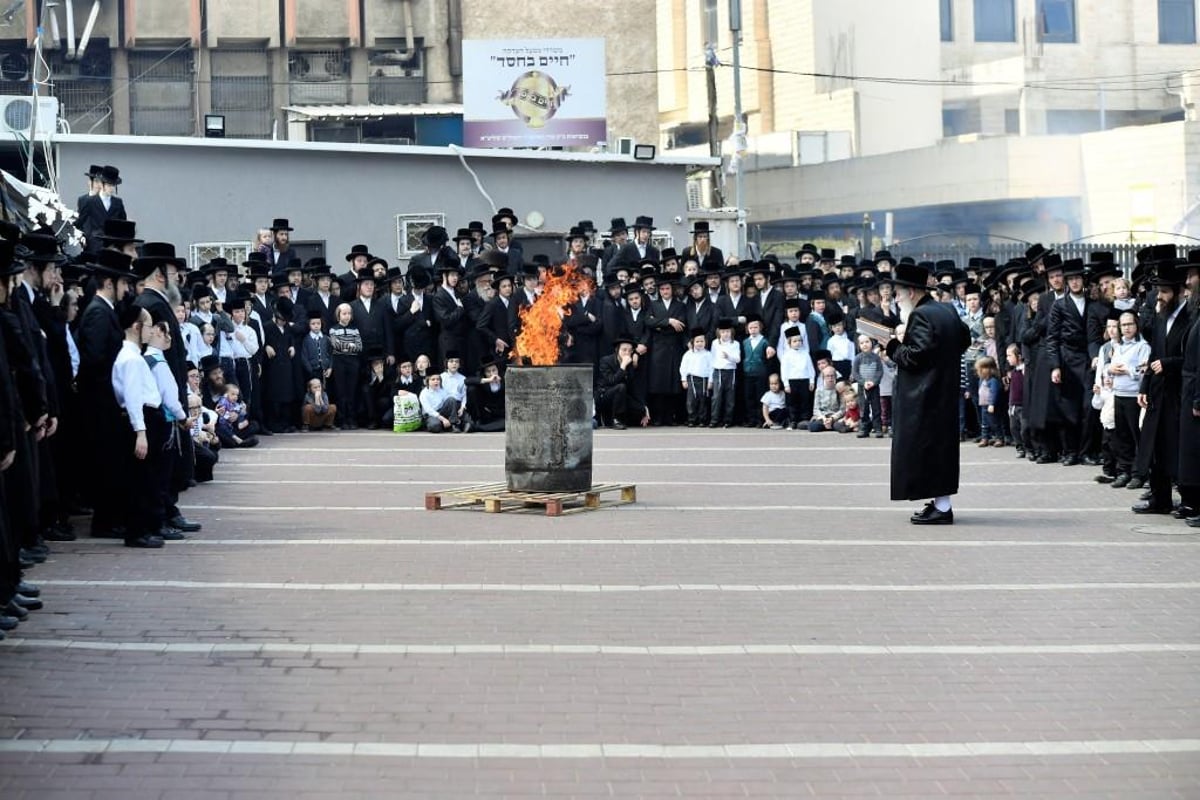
(535, 220)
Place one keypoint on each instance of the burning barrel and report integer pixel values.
(548, 428)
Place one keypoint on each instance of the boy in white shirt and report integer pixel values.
(439, 407)
(727, 354)
(774, 404)
(796, 373)
(840, 347)
(454, 382)
(695, 373)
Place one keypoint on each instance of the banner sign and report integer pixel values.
(534, 92)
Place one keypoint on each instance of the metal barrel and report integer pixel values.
(548, 428)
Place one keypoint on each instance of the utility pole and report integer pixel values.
(739, 128)
(714, 146)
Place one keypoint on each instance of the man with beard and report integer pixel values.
(1040, 406)
(618, 234)
(1189, 416)
(701, 247)
(1162, 384)
(925, 452)
(667, 329)
(281, 252)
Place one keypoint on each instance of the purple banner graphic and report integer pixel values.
(515, 133)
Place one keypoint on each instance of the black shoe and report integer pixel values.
(115, 532)
(182, 523)
(1194, 522)
(1150, 507)
(1091, 461)
(32, 555)
(1045, 459)
(29, 589)
(147, 541)
(53, 534)
(1020, 454)
(1070, 461)
(1136, 483)
(26, 564)
(169, 534)
(934, 517)
(861, 434)
(924, 512)
(1122, 480)
(1105, 478)
(618, 426)
(14, 610)
(27, 603)
(1185, 512)
(9, 623)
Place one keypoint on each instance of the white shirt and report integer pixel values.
(134, 385)
(455, 385)
(840, 347)
(168, 388)
(453, 294)
(1171, 319)
(246, 348)
(1078, 301)
(795, 365)
(726, 355)
(366, 301)
(74, 351)
(696, 363)
(432, 399)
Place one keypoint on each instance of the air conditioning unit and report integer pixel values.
(16, 117)
(386, 65)
(14, 66)
(316, 67)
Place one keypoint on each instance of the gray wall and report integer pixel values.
(196, 190)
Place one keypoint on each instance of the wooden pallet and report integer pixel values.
(496, 497)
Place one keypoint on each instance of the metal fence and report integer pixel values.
(83, 87)
(162, 96)
(1125, 252)
(241, 92)
(317, 77)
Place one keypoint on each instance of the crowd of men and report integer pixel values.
(129, 361)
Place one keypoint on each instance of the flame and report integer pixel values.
(541, 323)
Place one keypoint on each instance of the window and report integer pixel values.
(1056, 20)
(1177, 21)
(1012, 120)
(995, 21)
(947, 8)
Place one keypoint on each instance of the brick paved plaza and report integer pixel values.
(762, 623)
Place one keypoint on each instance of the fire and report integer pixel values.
(541, 323)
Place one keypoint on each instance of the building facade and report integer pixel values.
(373, 71)
(991, 117)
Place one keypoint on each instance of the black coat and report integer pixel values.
(429, 262)
(628, 255)
(1189, 423)
(477, 341)
(771, 310)
(176, 356)
(317, 303)
(1160, 425)
(498, 321)
(35, 341)
(612, 324)
(666, 345)
(454, 326)
(1069, 350)
(279, 379)
(99, 340)
(1041, 407)
(92, 216)
(585, 326)
(26, 373)
(418, 331)
(704, 316)
(925, 448)
(12, 420)
(736, 311)
(713, 257)
(373, 325)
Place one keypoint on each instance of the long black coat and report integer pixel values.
(279, 379)
(1040, 405)
(1189, 423)
(498, 321)
(585, 331)
(1160, 426)
(373, 324)
(454, 326)
(92, 216)
(702, 316)
(726, 307)
(771, 310)
(925, 402)
(666, 345)
(99, 340)
(1068, 349)
(420, 336)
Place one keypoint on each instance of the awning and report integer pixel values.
(373, 111)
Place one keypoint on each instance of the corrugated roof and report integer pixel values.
(376, 111)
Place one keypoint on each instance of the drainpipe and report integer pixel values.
(454, 15)
(87, 28)
(69, 54)
(410, 48)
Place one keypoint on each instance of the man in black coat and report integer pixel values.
(497, 324)
(370, 315)
(1072, 341)
(454, 326)
(701, 247)
(1162, 387)
(925, 450)
(414, 321)
(585, 327)
(1189, 414)
(639, 248)
(437, 254)
(95, 209)
(620, 402)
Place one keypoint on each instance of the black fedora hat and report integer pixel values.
(476, 226)
(110, 174)
(8, 265)
(364, 274)
(155, 255)
(119, 231)
(209, 363)
(281, 224)
(358, 250)
(279, 280)
(617, 225)
(317, 267)
(463, 235)
(39, 248)
(435, 236)
(1168, 273)
(915, 276)
(216, 265)
(93, 171)
(1036, 251)
(576, 232)
(111, 264)
(700, 226)
(1072, 267)
(643, 222)
(419, 279)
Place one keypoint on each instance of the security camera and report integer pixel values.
(678, 220)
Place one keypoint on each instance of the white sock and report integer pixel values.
(942, 503)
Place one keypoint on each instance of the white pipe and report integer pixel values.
(410, 45)
(87, 28)
(54, 35)
(70, 51)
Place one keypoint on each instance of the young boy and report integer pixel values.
(727, 354)
(887, 384)
(316, 360)
(841, 349)
(755, 354)
(137, 394)
(827, 406)
(454, 382)
(317, 413)
(696, 374)
(439, 407)
(233, 421)
(796, 372)
(867, 371)
(158, 341)
(774, 404)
